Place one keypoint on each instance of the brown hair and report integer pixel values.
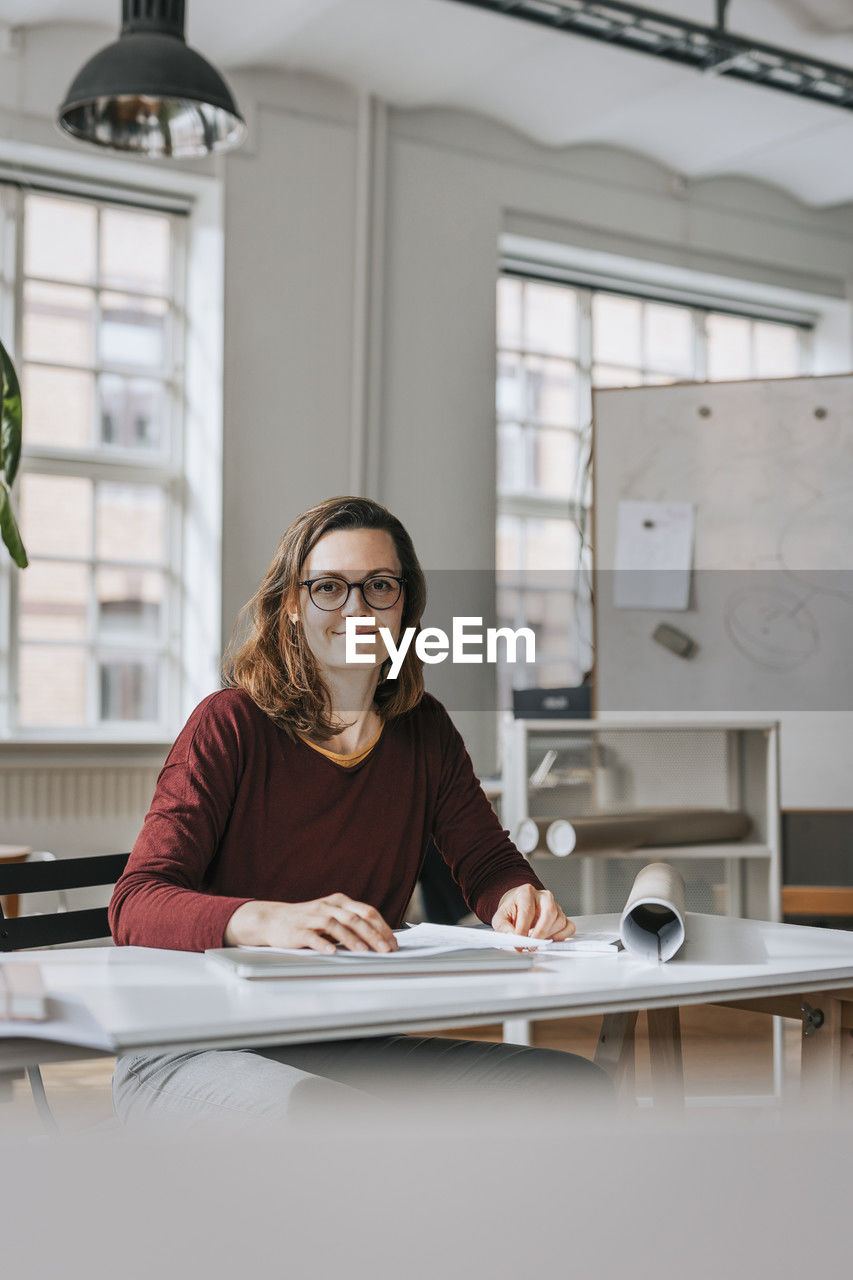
(275, 665)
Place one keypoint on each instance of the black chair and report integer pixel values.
(442, 898)
(50, 877)
(55, 929)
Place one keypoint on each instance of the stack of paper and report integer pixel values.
(22, 993)
(451, 935)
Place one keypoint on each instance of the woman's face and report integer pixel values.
(350, 555)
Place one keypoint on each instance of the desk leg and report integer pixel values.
(615, 1052)
(827, 1053)
(665, 1054)
(7, 1081)
(518, 1031)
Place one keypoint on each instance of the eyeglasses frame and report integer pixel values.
(309, 583)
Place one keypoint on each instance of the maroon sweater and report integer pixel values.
(243, 811)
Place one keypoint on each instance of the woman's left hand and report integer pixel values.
(532, 912)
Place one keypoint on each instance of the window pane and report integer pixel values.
(512, 469)
(777, 351)
(616, 329)
(509, 312)
(56, 515)
(135, 250)
(550, 544)
(606, 375)
(133, 331)
(60, 239)
(509, 601)
(669, 339)
(131, 522)
(508, 544)
(98, 322)
(130, 603)
(133, 412)
(128, 689)
(59, 323)
(728, 347)
(51, 685)
(551, 394)
(58, 407)
(550, 611)
(54, 601)
(509, 388)
(554, 462)
(550, 319)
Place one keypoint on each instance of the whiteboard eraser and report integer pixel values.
(674, 640)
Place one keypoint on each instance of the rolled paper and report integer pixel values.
(622, 832)
(560, 838)
(652, 923)
(526, 836)
(592, 835)
(695, 826)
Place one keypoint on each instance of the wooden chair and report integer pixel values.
(56, 929)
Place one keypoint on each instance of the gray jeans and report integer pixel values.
(355, 1078)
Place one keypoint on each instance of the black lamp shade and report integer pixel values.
(150, 93)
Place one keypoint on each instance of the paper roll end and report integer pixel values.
(561, 838)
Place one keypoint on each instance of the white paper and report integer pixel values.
(68, 1021)
(443, 939)
(457, 936)
(22, 993)
(654, 555)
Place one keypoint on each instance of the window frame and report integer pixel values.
(164, 470)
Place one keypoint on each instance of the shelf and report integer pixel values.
(629, 762)
(579, 726)
(663, 853)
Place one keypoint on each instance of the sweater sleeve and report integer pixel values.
(480, 854)
(159, 902)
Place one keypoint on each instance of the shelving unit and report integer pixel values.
(617, 764)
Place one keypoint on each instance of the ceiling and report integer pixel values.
(558, 89)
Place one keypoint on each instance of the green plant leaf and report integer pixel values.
(9, 529)
(10, 418)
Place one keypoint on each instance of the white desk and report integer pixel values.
(112, 1000)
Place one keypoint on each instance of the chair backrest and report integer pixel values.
(47, 877)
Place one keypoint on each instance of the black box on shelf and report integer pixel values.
(574, 702)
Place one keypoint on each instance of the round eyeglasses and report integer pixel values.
(379, 591)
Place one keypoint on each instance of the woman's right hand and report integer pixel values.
(318, 925)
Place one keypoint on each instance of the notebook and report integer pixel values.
(269, 962)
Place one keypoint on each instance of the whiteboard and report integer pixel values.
(768, 467)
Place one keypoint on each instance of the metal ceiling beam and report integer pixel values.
(711, 49)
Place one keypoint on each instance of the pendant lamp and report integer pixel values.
(150, 93)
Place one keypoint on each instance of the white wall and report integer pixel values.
(453, 183)
(289, 209)
(448, 185)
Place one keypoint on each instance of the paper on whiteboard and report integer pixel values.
(654, 555)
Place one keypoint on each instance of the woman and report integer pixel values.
(294, 810)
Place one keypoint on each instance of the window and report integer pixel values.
(98, 323)
(555, 343)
